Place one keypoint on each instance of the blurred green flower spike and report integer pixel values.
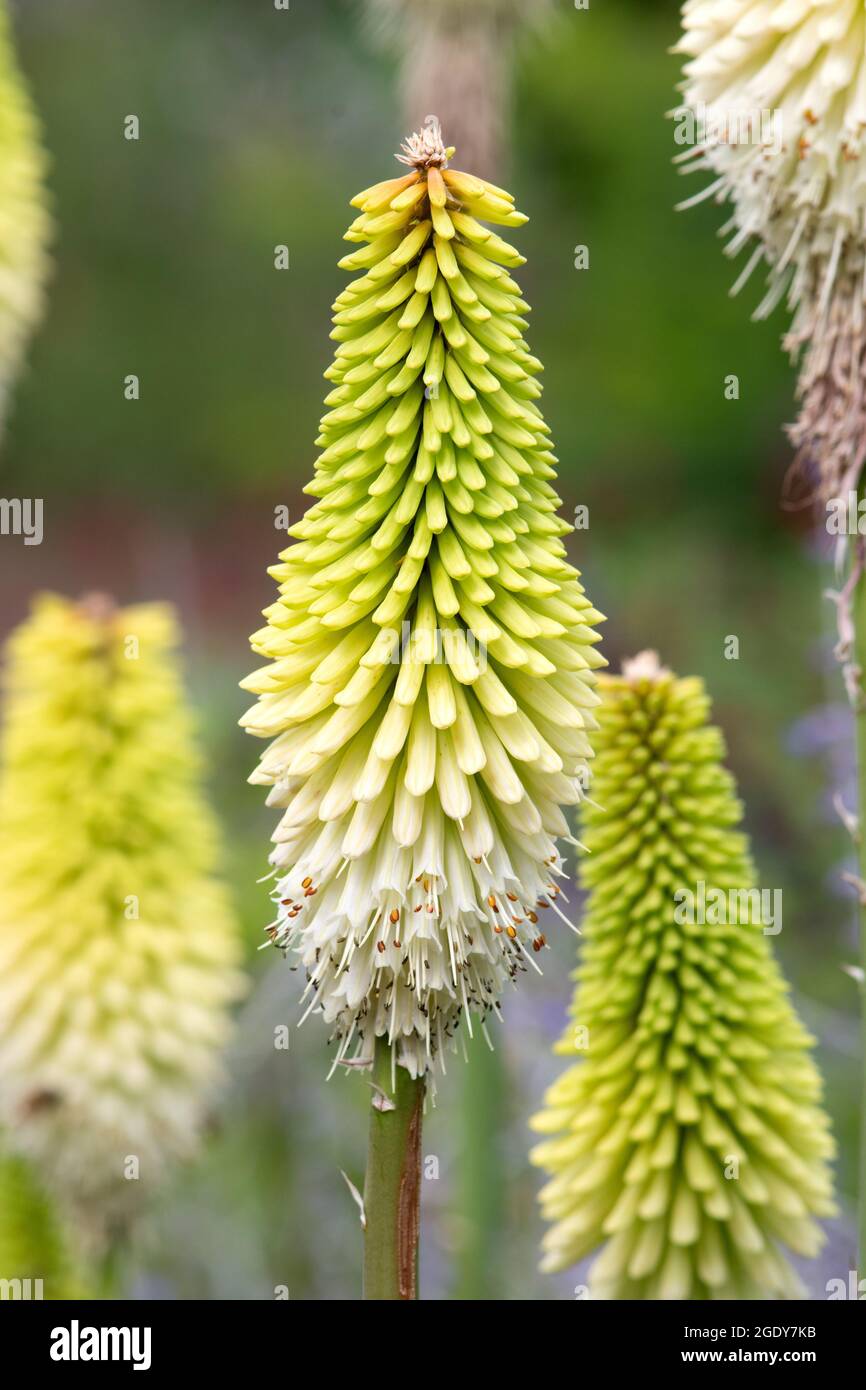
(118, 953)
(689, 1140)
(24, 220)
(429, 691)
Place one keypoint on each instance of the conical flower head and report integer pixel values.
(24, 220)
(431, 654)
(689, 1140)
(117, 946)
(36, 1254)
(779, 93)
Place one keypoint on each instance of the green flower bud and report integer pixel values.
(431, 655)
(689, 1140)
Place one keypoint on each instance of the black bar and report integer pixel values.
(250, 1337)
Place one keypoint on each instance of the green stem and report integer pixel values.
(860, 720)
(482, 1120)
(392, 1189)
(107, 1275)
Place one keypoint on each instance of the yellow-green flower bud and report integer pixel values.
(689, 1141)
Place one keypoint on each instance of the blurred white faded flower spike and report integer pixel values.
(778, 92)
(455, 59)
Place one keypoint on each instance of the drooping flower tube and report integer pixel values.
(688, 1143)
(779, 94)
(118, 948)
(24, 220)
(431, 656)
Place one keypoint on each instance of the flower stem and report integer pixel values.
(482, 1123)
(392, 1189)
(108, 1272)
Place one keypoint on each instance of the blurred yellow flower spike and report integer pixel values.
(118, 950)
(25, 224)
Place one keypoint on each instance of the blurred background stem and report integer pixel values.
(108, 1274)
(480, 1200)
(392, 1189)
